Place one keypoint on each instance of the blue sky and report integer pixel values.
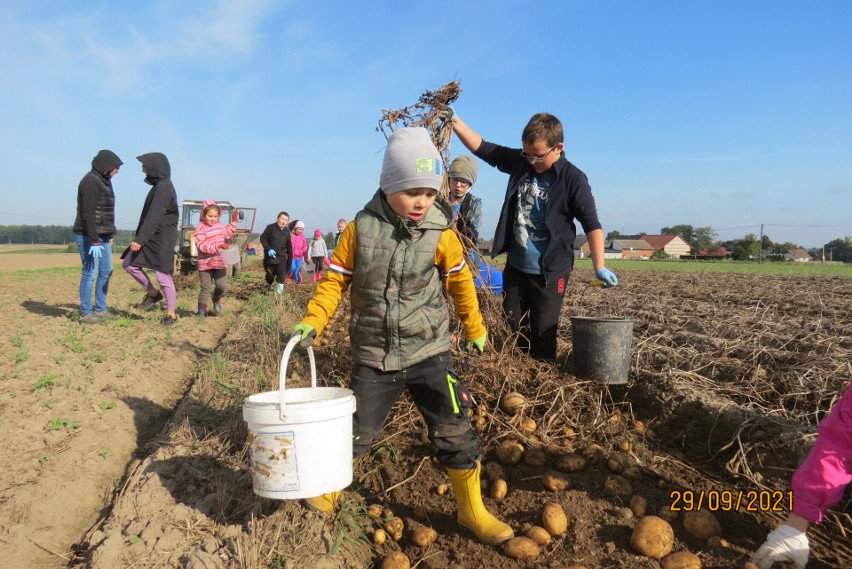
(727, 114)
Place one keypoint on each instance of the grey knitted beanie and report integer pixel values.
(411, 161)
(464, 167)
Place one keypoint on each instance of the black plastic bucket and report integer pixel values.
(601, 348)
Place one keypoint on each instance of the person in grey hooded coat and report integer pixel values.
(153, 246)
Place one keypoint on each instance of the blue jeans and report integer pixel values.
(96, 272)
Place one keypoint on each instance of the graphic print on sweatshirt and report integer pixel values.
(531, 235)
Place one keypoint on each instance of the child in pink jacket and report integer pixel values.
(210, 236)
(817, 485)
(300, 250)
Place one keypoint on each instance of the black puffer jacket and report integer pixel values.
(277, 238)
(96, 199)
(158, 224)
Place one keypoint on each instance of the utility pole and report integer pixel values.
(760, 247)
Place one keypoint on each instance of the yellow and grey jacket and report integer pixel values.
(397, 272)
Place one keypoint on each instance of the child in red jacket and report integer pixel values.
(210, 236)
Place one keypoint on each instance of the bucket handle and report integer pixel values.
(283, 373)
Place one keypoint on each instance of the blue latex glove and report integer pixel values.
(453, 113)
(271, 254)
(608, 277)
(478, 343)
(95, 250)
(306, 334)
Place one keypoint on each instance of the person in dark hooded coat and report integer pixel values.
(153, 246)
(94, 228)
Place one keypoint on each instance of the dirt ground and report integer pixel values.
(126, 445)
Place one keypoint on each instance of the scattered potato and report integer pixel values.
(512, 402)
(652, 537)
(749, 565)
(479, 423)
(618, 485)
(539, 535)
(553, 449)
(717, 541)
(632, 472)
(396, 560)
(442, 489)
(498, 489)
(528, 425)
(535, 457)
(681, 560)
(553, 519)
(594, 453)
(667, 513)
(639, 427)
(493, 471)
(375, 510)
(397, 535)
(555, 481)
(615, 463)
(380, 536)
(393, 526)
(387, 513)
(639, 506)
(568, 432)
(624, 445)
(701, 524)
(509, 452)
(570, 463)
(521, 548)
(423, 536)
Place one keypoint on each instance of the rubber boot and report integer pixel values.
(324, 503)
(472, 513)
(202, 312)
(279, 288)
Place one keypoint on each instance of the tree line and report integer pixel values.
(51, 235)
(749, 246)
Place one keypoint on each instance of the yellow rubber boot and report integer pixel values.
(324, 503)
(472, 513)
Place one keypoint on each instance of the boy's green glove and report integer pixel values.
(478, 343)
(306, 334)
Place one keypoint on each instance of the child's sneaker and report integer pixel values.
(149, 301)
(168, 320)
(217, 307)
(90, 319)
(105, 315)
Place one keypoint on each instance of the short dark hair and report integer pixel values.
(543, 126)
(280, 213)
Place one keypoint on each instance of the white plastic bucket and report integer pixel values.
(231, 255)
(300, 440)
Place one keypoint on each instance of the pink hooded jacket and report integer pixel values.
(821, 479)
(209, 237)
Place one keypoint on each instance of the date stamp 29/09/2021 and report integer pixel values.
(731, 501)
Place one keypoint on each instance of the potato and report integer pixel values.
(498, 489)
(513, 402)
(667, 513)
(624, 445)
(652, 537)
(639, 427)
(553, 519)
(387, 513)
(441, 489)
(393, 525)
(538, 535)
(375, 510)
(423, 536)
(535, 457)
(479, 423)
(509, 452)
(616, 463)
(555, 481)
(553, 449)
(380, 536)
(397, 535)
(396, 560)
(528, 425)
(521, 548)
(717, 541)
(749, 565)
(493, 471)
(632, 472)
(701, 524)
(681, 560)
(594, 453)
(618, 485)
(570, 463)
(639, 506)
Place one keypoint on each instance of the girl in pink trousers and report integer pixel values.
(210, 236)
(817, 485)
(300, 250)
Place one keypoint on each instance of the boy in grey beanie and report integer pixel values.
(397, 259)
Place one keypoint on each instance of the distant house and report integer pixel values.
(633, 248)
(582, 250)
(720, 252)
(798, 255)
(672, 245)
